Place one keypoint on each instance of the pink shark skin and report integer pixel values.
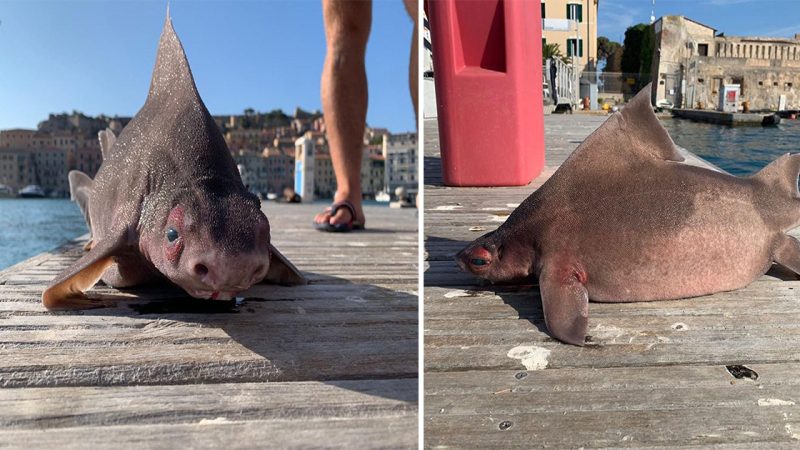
(168, 202)
(622, 220)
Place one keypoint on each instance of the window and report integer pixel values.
(543, 15)
(575, 12)
(574, 47)
(702, 49)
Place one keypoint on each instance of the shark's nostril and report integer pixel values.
(200, 269)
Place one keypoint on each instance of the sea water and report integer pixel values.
(32, 226)
(738, 150)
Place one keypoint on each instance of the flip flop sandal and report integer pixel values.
(352, 225)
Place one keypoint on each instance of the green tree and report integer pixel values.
(637, 53)
(606, 47)
(553, 51)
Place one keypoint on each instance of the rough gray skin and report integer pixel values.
(169, 174)
(622, 220)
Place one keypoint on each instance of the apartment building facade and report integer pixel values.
(572, 24)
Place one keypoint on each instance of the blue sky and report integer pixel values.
(97, 57)
(779, 18)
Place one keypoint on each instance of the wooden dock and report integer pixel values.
(722, 371)
(727, 118)
(330, 364)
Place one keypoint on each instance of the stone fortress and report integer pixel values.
(692, 62)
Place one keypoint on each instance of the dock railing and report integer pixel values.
(616, 86)
(561, 79)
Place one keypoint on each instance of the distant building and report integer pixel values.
(45, 158)
(266, 147)
(51, 166)
(279, 166)
(80, 123)
(572, 24)
(691, 63)
(22, 139)
(16, 168)
(252, 168)
(86, 156)
(372, 174)
(324, 176)
(305, 168)
(400, 154)
(249, 139)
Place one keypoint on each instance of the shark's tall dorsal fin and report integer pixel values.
(638, 120)
(171, 75)
(633, 133)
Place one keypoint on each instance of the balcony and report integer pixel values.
(558, 24)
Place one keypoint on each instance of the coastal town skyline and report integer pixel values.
(264, 145)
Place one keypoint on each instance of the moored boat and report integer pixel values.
(6, 191)
(32, 191)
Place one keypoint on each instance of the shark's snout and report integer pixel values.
(460, 260)
(223, 273)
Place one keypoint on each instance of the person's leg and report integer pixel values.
(344, 98)
(412, 8)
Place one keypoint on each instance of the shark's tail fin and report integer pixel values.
(781, 175)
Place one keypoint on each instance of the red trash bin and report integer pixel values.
(487, 62)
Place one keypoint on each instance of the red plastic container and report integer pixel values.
(488, 73)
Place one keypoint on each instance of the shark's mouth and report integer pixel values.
(212, 295)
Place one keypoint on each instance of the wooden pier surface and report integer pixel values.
(721, 371)
(330, 364)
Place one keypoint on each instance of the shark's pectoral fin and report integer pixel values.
(107, 140)
(80, 188)
(566, 305)
(787, 253)
(282, 271)
(67, 290)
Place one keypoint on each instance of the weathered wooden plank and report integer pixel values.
(153, 368)
(589, 402)
(588, 429)
(370, 432)
(176, 404)
(705, 404)
(652, 375)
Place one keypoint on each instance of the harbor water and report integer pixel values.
(31, 226)
(738, 150)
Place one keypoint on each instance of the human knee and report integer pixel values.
(347, 24)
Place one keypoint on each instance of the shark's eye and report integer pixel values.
(172, 234)
(478, 262)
